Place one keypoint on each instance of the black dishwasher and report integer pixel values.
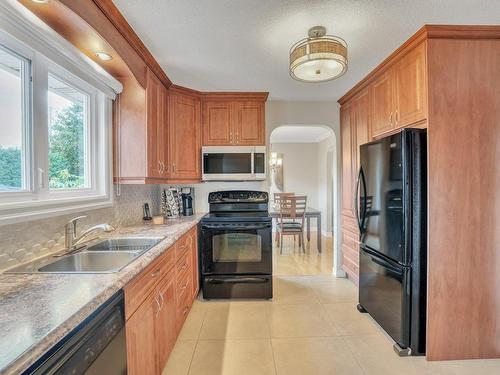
(95, 346)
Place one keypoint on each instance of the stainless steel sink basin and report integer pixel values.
(90, 262)
(135, 244)
(107, 256)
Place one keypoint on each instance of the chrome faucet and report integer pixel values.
(72, 242)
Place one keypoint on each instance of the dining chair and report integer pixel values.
(291, 219)
(278, 197)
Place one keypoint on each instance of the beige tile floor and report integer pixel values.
(311, 327)
(294, 262)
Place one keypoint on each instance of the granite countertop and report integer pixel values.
(37, 310)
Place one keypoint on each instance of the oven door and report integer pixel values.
(236, 248)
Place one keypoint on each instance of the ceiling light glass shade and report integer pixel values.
(318, 58)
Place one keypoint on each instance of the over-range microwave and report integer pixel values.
(233, 163)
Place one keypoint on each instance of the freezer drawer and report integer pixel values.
(384, 294)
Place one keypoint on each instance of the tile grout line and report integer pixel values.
(343, 339)
(197, 340)
(268, 323)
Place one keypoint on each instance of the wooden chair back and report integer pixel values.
(293, 207)
(278, 198)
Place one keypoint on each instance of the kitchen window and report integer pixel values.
(68, 123)
(55, 127)
(15, 98)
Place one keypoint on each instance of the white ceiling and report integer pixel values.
(299, 134)
(243, 45)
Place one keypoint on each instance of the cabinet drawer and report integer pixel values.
(183, 281)
(351, 254)
(140, 287)
(184, 300)
(349, 224)
(184, 244)
(349, 239)
(184, 263)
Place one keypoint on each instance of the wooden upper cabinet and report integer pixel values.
(399, 95)
(230, 120)
(249, 121)
(361, 116)
(157, 127)
(382, 104)
(217, 123)
(410, 87)
(185, 137)
(347, 160)
(140, 134)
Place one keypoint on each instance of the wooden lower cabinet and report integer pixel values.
(350, 248)
(166, 322)
(140, 331)
(152, 328)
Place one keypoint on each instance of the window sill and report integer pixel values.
(42, 210)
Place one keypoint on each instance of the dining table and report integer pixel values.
(310, 213)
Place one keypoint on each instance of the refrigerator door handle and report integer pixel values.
(356, 200)
(381, 261)
(363, 216)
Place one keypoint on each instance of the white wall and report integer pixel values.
(325, 181)
(300, 169)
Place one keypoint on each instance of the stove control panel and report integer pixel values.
(235, 196)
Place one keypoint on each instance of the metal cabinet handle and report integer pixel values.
(157, 304)
(390, 118)
(162, 299)
(155, 273)
(396, 117)
(173, 167)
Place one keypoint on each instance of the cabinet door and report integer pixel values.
(411, 88)
(347, 159)
(249, 123)
(166, 333)
(154, 105)
(195, 273)
(216, 123)
(141, 341)
(382, 107)
(185, 137)
(361, 116)
(165, 138)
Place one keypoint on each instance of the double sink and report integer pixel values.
(106, 256)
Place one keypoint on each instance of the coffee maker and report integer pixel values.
(187, 194)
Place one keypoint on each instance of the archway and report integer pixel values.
(328, 199)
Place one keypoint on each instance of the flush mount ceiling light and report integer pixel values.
(40, 1)
(319, 57)
(104, 56)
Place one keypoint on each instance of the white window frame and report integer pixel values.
(50, 54)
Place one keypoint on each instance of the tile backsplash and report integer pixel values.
(23, 242)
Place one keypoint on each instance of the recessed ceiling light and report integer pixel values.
(104, 56)
(40, 1)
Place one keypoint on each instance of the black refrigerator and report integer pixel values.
(391, 211)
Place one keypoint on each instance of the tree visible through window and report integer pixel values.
(14, 71)
(67, 136)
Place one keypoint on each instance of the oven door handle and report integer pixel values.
(237, 280)
(237, 227)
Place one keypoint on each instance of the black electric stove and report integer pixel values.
(236, 246)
